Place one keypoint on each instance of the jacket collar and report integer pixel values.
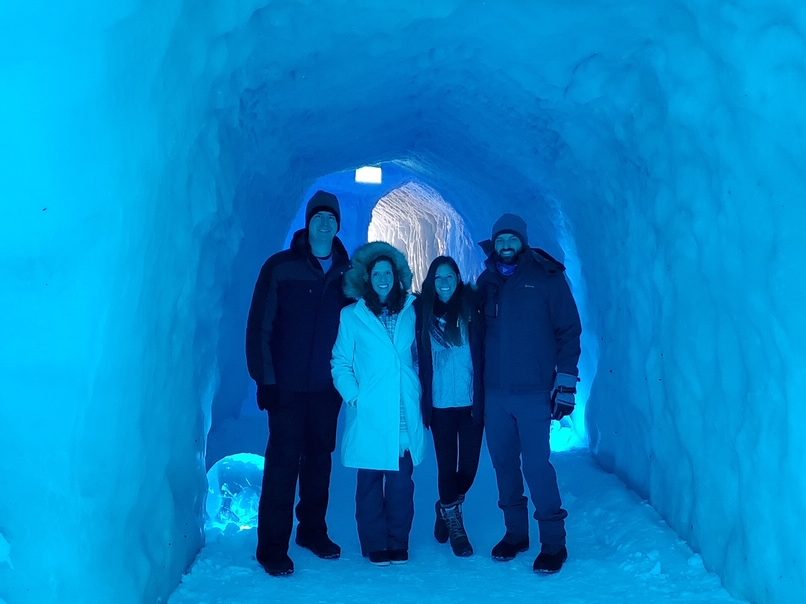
(300, 246)
(534, 255)
(370, 318)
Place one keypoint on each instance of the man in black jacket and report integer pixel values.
(290, 332)
(531, 351)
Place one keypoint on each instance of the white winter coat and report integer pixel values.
(370, 368)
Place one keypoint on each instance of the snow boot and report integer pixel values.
(379, 558)
(452, 517)
(550, 560)
(509, 547)
(398, 556)
(277, 565)
(440, 528)
(321, 545)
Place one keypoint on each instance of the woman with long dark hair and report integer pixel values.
(373, 370)
(449, 347)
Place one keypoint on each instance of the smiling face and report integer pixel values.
(322, 226)
(507, 247)
(445, 282)
(382, 278)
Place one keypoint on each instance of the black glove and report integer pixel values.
(266, 396)
(562, 397)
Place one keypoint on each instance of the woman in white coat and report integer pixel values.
(373, 370)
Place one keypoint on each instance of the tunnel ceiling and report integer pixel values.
(558, 86)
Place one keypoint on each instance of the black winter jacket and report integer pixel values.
(532, 325)
(426, 364)
(294, 318)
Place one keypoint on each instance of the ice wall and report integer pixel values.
(417, 220)
(155, 153)
(104, 307)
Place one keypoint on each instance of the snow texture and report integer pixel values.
(620, 551)
(155, 153)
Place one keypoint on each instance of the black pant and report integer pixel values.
(302, 437)
(457, 442)
(384, 507)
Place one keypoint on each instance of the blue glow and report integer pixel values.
(233, 492)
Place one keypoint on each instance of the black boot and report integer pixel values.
(321, 545)
(452, 517)
(440, 528)
(277, 564)
(509, 547)
(550, 560)
(398, 556)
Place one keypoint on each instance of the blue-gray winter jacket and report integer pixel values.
(532, 326)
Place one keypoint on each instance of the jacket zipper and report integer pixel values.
(503, 337)
(318, 312)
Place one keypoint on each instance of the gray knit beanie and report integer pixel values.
(511, 223)
(322, 201)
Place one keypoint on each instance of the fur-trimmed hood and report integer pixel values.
(356, 279)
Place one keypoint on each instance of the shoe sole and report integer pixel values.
(545, 571)
(508, 558)
(462, 553)
(282, 573)
(551, 571)
(319, 554)
(276, 572)
(398, 562)
(379, 563)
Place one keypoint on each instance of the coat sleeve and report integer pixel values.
(424, 364)
(476, 335)
(567, 326)
(342, 363)
(259, 326)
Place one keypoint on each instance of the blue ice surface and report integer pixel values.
(155, 153)
(233, 492)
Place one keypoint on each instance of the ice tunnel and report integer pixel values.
(154, 153)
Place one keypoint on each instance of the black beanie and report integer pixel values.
(511, 223)
(322, 201)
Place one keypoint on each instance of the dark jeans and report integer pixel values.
(457, 443)
(518, 428)
(384, 507)
(302, 437)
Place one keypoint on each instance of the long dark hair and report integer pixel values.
(457, 309)
(396, 297)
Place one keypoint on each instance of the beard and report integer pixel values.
(513, 259)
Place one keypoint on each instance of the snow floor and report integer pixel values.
(620, 550)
